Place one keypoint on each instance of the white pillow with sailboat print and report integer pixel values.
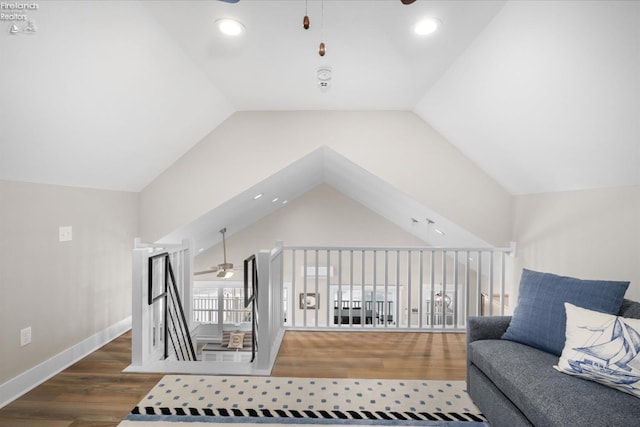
(603, 348)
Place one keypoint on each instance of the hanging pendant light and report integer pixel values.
(322, 50)
(305, 20)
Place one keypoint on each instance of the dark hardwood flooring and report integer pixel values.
(92, 392)
(95, 392)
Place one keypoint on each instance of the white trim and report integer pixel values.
(204, 367)
(28, 380)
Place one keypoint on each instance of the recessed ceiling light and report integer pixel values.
(284, 202)
(230, 27)
(275, 199)
(440, 232)
(257, 196)
(427, 26)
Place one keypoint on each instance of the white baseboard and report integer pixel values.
(26, 381)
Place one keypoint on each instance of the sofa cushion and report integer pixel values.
(539, 318)
(603, 348)
(630, 309)
(545, 396)
(494, 405)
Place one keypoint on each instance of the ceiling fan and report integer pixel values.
(224, 270)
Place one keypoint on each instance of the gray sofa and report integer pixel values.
(516, 385)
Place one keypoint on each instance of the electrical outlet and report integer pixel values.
(65, 234)
(25, 336)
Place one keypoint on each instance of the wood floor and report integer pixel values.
(372, 355)
(94, 392)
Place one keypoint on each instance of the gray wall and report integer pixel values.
(321, 217)
(69, 291)
(66, 291)
(591, 234)
(396, 146)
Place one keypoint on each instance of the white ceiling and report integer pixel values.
(544, 96)
(378, 64)
(547, 98)
(100, 96)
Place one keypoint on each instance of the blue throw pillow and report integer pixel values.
(539, 319)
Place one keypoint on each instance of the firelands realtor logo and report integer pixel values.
(19, 16)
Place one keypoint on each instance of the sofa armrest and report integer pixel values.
(486, 327)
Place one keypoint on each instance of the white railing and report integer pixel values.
(208, 310)
(347, 288)
(148, 340)
(432, 289)
(270, 313)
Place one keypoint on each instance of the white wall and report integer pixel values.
(591, 234)
(398, 147)
(66, 291)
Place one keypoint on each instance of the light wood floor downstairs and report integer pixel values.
(94, 392)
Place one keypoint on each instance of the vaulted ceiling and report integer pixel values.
(544, 96)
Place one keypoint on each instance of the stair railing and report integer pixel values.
(167, 293)
(250, 298)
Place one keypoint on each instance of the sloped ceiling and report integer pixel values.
(100, 96)
(378, 64)
(324, 166)
(547, 98)
(544, 96)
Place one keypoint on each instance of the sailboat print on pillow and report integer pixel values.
(602, 348)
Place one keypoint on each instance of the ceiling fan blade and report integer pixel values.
(212, 270)
(407, 1)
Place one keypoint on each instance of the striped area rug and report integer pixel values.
(273, 400)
